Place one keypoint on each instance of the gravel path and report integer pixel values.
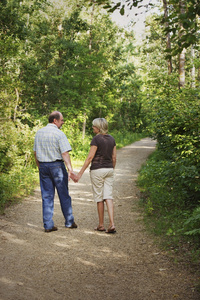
(83, 264)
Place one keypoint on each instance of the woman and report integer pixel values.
(102, 156)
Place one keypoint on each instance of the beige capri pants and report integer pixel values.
(102, 183)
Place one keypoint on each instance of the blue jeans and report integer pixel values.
(54, 174)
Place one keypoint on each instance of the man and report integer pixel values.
(51, 149)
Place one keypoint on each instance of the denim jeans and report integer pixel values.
(54, 175)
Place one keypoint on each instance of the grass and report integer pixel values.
(126, 138)
(15, 185)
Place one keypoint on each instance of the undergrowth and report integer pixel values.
(16, 185)
(170, 210)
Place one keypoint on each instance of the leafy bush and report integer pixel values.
(175, 183)
(192, 224)
(17, 165)
(16, 184)
(170, 179)
(176, 127)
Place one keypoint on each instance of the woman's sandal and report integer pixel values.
(100, 228)
(111, 230)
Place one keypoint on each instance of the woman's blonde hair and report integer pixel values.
(101, 124)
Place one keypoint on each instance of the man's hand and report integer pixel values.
(73, 176)
(37, 162)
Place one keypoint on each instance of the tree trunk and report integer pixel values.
(84, 126)
(16, 106)
(182, 69)
(91, 23)
(193, 68)
(182, 55)
(168, 35)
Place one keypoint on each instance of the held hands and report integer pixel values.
(75, 177)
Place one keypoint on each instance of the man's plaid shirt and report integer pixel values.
(50, 142)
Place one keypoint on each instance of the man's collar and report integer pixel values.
(51, 124)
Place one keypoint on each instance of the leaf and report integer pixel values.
(107, 6)
(122, 10)
(193, 232)
(115, 7)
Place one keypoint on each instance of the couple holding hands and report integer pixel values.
(51, 150)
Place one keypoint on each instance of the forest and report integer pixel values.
(70, 56)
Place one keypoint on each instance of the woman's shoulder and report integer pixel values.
(94, 141)
(102, 136)
(110, 136)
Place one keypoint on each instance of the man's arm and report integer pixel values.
(37, 162)
(67, 160)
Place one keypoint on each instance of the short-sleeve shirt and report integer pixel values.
(50, 142)
(103, 156)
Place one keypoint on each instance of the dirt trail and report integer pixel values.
(83, 264)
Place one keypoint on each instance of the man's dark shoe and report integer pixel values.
(52, 229)
(73, 226)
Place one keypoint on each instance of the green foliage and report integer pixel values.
(54, 58)
(168, 184)
(182, 24)
(123, 138)
(17, 175)
(169, 205)
(192, 224)
(176, 128)
(181, 21)
(80, 145)
(18, 183)
(170, 179)
(17, 166)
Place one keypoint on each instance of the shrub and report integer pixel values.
(192, 224)
(170, 179)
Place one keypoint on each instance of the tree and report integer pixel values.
(165, 6)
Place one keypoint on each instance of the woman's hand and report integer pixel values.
(78, 177)
(73, 176)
